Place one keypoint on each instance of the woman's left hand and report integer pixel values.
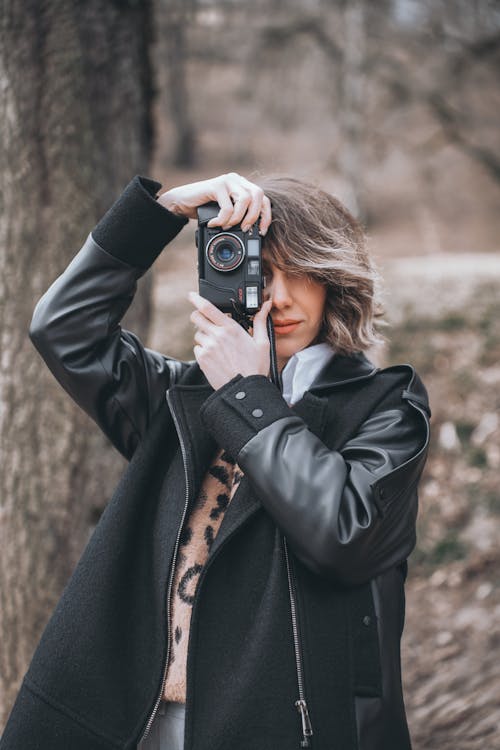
(224, 348)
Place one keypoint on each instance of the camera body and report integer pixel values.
(229, 263)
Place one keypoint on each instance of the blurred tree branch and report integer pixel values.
(453, 126)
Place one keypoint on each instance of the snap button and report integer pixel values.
(240, 394)
(367, 620)
(257, 413)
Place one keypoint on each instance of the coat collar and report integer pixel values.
(342, 369)
(339, 370)
(189, 396)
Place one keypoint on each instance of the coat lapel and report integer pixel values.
(199, 447)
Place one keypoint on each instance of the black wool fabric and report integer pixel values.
(136, 215)
(235, 413)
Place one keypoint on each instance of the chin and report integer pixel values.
(288, 351)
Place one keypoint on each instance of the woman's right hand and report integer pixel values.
(237, 197)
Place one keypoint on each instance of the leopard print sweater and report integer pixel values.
(198, 533)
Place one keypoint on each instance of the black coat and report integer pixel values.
(316, 618)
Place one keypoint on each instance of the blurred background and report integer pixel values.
(392, 106)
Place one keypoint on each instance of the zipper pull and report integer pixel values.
(306, 722)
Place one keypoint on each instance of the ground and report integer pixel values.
(447, 323)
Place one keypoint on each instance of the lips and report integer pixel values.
(285, 326)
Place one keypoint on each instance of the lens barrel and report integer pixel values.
(225, 251)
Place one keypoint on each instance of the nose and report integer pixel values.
(278, 290)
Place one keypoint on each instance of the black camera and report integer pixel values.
(229, 264)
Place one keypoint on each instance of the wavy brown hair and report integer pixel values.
(312, 233)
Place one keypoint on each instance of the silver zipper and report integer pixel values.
(176, 547)
(300, 704)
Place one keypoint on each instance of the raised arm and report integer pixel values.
(76, 323)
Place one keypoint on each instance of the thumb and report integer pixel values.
(259, 322)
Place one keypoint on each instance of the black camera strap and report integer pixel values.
(275, 373)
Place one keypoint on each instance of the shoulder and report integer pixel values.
(408, 396)
(398, 392)
(410, 400)
(404, 382)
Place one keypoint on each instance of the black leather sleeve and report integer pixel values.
(348, 515)
(76, 323)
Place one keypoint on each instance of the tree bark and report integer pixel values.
(174, 19)
(351, 110)
(76, 124)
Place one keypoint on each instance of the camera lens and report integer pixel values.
(225, 252)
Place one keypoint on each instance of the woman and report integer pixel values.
(244, 587)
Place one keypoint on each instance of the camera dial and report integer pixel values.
(225, 251)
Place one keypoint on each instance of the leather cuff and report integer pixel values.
(237, 411)
(136, 228)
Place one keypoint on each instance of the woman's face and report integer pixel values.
(299, 301)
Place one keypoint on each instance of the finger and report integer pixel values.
(202, 323)
(201, 338)
(240, 192)
(252, 202)
(225, 210)
(259, 322)
(241, 197)
(266, 216)
(206, 308)
(256, 206)
(254, 209)
(240, 209)
(234, 197)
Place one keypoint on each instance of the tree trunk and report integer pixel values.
(352, 106)
(174, 18)
(75, 117)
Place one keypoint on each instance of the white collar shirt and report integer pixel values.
(302, 369)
